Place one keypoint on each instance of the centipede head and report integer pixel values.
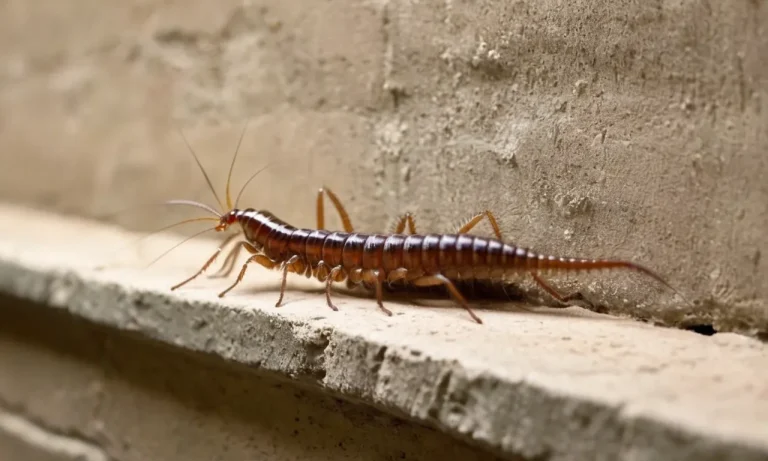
(226, 220)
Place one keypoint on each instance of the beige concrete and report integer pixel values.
(120, 398)
(561, 384)
(595, 128)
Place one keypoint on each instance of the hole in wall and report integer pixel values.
(705, 329)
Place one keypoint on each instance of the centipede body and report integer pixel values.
(375, 260)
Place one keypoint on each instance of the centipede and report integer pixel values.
(401, 258)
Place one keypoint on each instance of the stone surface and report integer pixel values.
(560, 384)
(78, 391)
(634, 129)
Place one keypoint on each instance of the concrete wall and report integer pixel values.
(632, 129)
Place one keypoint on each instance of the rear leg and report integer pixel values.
(537, 278)
(577, 296)
(439, 279)
(477, 218)
(408, 218)
(399, 227)
(345, 221)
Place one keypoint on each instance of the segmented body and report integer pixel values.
(456, 256)
(374, 260)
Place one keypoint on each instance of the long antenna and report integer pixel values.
(178, 245)
(142, 206)
(202, 206)
(155, 232)
(165, 228)
(247, 182)
(232, 165)
(200, 165)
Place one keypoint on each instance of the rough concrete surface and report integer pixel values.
(122, 398)
(631, 129)
(536, 383)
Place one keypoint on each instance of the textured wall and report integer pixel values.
(633, 129)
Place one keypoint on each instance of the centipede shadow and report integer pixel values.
(483, 295)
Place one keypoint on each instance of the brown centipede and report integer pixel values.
(372, 260)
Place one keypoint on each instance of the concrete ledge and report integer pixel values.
(540, 384)
(73, 389)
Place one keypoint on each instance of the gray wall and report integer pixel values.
(629, 129)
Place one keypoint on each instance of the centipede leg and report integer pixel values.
(477, 218)
(379, 276)
(339, 208)
(319, 269)
(205, 266)
(408, 219)
(497, 231)
(229, 261)
(257, 258)
(401, 222)
(328, 281)
(438, 279)
(554, 293)
(286, 265)
(397, 275)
